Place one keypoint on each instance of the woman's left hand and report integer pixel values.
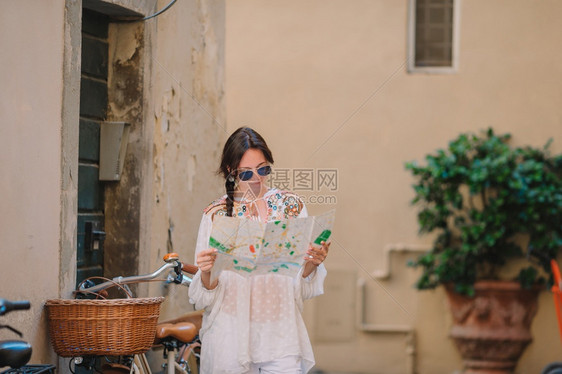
(316, 255)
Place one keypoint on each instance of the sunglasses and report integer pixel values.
(245, 175)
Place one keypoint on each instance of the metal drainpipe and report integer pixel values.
(384, 273)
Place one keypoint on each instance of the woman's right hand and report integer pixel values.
(206, 259)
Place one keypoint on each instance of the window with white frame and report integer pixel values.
(433, 36)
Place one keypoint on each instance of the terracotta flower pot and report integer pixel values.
(492, 329)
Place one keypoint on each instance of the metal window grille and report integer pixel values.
(434, 33)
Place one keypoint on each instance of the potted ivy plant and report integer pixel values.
(490, 206)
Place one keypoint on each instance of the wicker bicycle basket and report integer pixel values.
(102, 327)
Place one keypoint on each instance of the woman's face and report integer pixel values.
(255, 187)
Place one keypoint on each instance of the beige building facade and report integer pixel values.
(329, 86)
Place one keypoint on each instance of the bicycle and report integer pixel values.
(16, 353)
(123, 330)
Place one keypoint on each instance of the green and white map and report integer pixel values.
(250, 247)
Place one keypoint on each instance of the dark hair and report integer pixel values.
(237, 144)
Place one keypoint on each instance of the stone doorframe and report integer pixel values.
(127, 225)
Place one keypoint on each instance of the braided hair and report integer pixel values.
(237, 144)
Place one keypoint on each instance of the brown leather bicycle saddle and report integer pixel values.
(183, 331)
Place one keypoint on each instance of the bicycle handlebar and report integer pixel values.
(172, 262)
(7, 306)
(190, 269)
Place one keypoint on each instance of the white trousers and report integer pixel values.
(285, 365)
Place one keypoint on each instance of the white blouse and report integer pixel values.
(258, 318)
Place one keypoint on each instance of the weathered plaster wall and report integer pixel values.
(325, 82)
(167, 80)
(30, 161)
(123, 207)
(188, 123)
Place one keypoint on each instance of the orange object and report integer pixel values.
(557, 293)
(556, 272)
(171, 257)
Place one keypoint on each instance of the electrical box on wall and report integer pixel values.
(114, 137)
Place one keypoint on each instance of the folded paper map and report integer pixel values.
(250, 247)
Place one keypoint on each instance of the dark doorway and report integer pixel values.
(93, 109)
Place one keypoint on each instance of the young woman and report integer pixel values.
(253, 324)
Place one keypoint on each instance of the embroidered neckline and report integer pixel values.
(279, 205)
